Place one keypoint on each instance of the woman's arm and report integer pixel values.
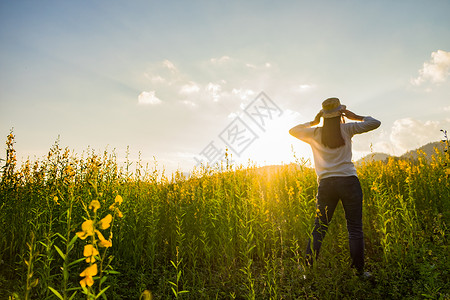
(367, 123)
(301, 131)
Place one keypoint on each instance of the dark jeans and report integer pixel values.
(330, 191)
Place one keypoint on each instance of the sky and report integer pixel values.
(180, 82)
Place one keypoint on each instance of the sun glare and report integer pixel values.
(276, 146)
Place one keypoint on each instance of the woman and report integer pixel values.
(336, 174)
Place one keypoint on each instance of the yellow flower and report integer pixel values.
(90, 251)
(87, 274)
(119, 213)
(146, 295)
(103, 242)
(447, 171)
(116, 203)
(88, 229)
(118, 199)
(90, 271)
(88, 280)
(94, 205)
(318, 213)
(105, 222)
(55, 199)
(100, 235)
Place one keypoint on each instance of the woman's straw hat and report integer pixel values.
(332, 108)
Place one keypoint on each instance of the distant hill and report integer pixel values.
(376, 156)
(429, 150)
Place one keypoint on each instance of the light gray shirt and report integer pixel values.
(338, 161)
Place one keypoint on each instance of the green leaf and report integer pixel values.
(56, 293)
(85, 290)
(174, 284)
(72, 241)
(103, 279)
(174, 265)
(60, 252)
(73, 295)
(101, 292)
(44, 244)
(63, 238)
(76, 261)
(35, 282)
(111, 272)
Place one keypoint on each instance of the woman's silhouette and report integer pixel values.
(336, 174)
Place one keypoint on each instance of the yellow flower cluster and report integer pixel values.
(91, 229)
(115, 206)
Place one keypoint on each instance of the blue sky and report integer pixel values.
(166, 78)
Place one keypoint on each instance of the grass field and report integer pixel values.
(226, 233)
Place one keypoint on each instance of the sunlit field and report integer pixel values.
(83, 226)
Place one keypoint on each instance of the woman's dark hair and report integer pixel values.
(331, 133)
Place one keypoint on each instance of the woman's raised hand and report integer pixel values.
(317, 119)
(351, 115)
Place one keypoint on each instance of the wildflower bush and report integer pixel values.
(84, 227)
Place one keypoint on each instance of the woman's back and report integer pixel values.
(334, 161)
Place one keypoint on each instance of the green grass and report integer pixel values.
(219, 234)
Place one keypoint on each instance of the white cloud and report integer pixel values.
(189, 103)
(238, 65)
(244, 94)
(302, 88)
(214, 89)
(169, 65)
(383, 147)
(436, 70)
(163, 73)
(221, 60)
(408, 134)
(148, 98)
(258, 67)
(447, 108)
(155, 78)
(232, 115)
(189, 88)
